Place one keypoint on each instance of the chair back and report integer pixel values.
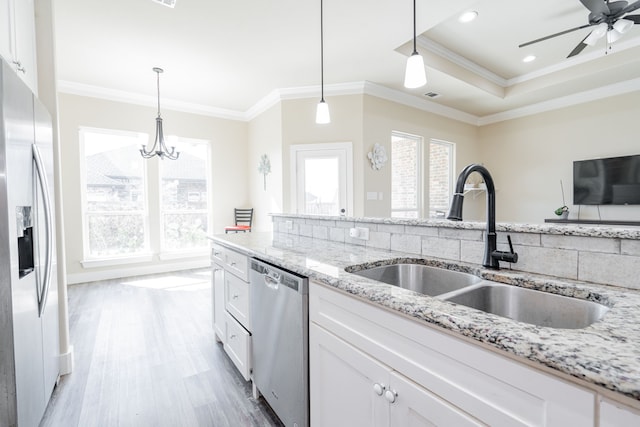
(244, 216)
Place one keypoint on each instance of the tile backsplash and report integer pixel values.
(592, 254)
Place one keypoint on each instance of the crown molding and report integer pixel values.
(352, 88)
(81, 89)
(433, 47)
(563, 102)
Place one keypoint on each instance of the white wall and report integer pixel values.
(229, 171)
(529, 156)
(265, 137)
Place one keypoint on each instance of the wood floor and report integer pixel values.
(145, 355)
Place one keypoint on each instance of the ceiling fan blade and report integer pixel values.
(631, 7)
(596, 6)
(634, 18)
(555, 35)
(579, 48)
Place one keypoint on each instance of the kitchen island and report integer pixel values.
(604, 356)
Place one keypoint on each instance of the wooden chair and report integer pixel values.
(244, 219)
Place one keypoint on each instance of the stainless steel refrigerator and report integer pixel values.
(29, 328)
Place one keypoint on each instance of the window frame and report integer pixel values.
(105, 260)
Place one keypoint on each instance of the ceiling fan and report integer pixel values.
(609, 18)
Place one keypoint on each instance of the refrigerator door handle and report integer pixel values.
(42, 179)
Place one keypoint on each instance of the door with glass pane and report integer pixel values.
(323, 179)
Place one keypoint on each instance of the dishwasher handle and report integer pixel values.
(270, 282)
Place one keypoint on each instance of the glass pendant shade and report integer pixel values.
(613, 36)
(415, 75)
(322, 113)
(623, 25)
(596, 34)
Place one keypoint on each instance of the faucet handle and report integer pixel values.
(510, 256)
(510, 244)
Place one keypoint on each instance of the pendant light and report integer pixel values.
(322, 111)
(415, 76)
(159, 148)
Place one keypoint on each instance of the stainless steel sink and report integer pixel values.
(531, 306)
(420, 278)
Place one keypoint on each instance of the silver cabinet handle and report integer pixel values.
(233, 336)
(235, 296)
(390, 395)
(19, 67)
(379, 389)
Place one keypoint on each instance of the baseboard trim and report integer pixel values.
(66, 362)
(119, 273)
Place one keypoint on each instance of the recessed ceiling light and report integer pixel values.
(529, 58)
(468, 16)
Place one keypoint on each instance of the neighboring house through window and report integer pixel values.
(114, 193)
(184, 197)
(406, 188)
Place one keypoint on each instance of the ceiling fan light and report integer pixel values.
(613, 36)
(322, 113)
(415, 76)
(596, 34)
(623, 25)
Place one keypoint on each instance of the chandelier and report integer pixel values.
(159, 148)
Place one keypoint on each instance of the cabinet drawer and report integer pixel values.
(237, 264)
(236, 296)
(217, 254)
(238, 345)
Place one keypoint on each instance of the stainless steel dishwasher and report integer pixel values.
(280, 341)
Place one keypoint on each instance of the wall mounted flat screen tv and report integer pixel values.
(610, 181)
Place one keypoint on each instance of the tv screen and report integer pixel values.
(611, 181)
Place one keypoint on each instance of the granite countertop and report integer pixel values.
(606, 354)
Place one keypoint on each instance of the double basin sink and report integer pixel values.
(516, 303)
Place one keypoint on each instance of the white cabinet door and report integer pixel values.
(218, 302)
(23, 32)
(342, 383)
(5, 31)
(414, 406)
(616, 415)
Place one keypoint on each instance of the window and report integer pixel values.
(184, 187)
(441, 156)
(114, 193)
(405, 175)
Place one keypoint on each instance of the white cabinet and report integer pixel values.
(438, 378)
(18, 39)
(351, 388)
(231, 293)
(5, 30)
(614, 414)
